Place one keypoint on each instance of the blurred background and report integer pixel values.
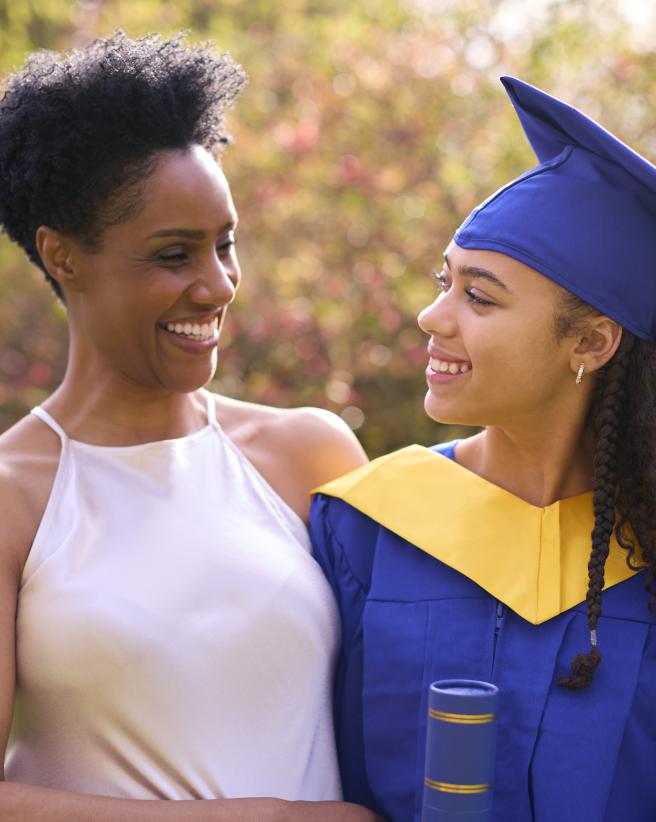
(368, 131)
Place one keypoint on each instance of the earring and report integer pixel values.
(579, 373)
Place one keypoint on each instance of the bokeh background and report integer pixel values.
(368, 131)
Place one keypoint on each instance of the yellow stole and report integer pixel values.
(532, 559)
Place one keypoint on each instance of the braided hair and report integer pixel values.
(623, 422)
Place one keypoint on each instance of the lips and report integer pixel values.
(193, 334)
(444, 363)
(444, 367)
(449, 366)
(195, 331)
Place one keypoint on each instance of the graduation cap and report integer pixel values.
(585, 216)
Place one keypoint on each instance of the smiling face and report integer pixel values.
(147, 308)
(494, 358)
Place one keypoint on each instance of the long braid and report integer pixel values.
(636, 529)
(609, 411)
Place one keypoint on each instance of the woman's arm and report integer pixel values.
(19, 803)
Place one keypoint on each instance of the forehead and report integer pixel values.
(518, 277)
(186, 189)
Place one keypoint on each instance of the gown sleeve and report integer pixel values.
(334, 525)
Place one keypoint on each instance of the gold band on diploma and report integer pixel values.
(461, 719)
(450, 787)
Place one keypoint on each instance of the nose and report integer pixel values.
(217, 281)
(438, 319)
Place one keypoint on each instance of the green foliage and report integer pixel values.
(368, 131)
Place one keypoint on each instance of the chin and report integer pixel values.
(193, 377)
(191, 381)
(435, 410)
(442, 413)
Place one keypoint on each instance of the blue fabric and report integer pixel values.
(447, 449)
(584, 217)
(409, 620)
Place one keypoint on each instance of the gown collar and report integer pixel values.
(532, 559)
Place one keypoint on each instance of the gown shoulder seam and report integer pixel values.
(337, 542)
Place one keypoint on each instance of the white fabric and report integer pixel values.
(175, 637)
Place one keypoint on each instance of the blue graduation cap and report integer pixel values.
(585, 216)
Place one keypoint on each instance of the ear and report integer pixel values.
(57, 254)
(595, 346)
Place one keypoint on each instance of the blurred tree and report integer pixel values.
(368, 132)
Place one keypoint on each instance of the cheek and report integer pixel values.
(527, 364)
(494, 351)
(120, 314)
(501, 351)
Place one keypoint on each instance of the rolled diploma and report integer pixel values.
(460, 751)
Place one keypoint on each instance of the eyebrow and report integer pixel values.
(474, 272)
(188, 233)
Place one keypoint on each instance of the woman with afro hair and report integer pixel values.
(164, 631)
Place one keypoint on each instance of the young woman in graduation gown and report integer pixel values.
(164, 631)
(525, 554)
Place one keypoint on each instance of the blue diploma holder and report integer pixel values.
(460, 751)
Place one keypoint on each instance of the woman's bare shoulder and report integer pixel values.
(29, 455)
(311, 436)
(295, 449)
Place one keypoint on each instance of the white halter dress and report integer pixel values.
(175, 638)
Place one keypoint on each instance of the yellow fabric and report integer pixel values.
(532, 559)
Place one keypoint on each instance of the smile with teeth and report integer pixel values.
(195, 331)
(448, 367)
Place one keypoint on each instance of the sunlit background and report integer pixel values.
(368, 131)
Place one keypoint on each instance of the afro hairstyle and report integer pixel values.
(80, 131)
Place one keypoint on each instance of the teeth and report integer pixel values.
(194, 330)
(448, 367)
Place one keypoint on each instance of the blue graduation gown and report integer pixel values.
(408, 620)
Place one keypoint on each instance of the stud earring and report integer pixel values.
(579, 373)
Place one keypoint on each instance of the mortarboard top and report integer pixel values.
(585, 217)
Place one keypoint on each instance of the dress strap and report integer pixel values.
(211, 409)
(43, 415)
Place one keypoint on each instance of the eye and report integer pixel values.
(442, 281)
(474, 298)
(176, 255)
(227, 244)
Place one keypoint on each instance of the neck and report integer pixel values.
(540, 467)
(112, 411)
